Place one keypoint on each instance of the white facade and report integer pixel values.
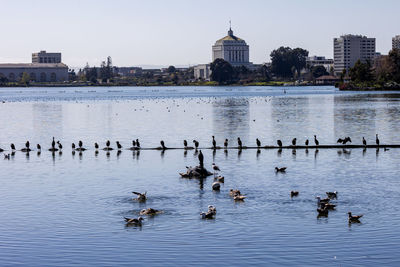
(232, 49)
(396, 42)
(202, 71)
(37, 72)
(320, 61)
(348, 49)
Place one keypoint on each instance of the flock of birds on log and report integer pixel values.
(57, 146)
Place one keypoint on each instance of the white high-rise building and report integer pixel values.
(396, 42)
(232, 49)
(348, 49)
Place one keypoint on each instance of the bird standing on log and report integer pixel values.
(226, 143)
(279, 142)
(316, 140)
(364, 141)
(214, 143)
(239, 143)
(294, 142)
(201, 159)
(377, 140)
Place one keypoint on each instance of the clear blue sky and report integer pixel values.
(181, 32)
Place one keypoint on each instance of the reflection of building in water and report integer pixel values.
(231, 120)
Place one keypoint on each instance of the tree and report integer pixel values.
(288, 62)
(25, 79)
(361, 72)
(394, 65)
(318, 71)
(221, 71)
(3, 80)
(171, 69)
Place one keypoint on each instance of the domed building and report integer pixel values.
(232, 49)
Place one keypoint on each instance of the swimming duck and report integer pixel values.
(323, 212)
(332, 195)
(134, 221)
(220, 179)
(328, 206)
(141, 196)
(294, 193)
(149, 211)
(216, 186)
(354, 218)
(234, 192)
(239, 197)
(207, 215)
(283, 169)
(325, 200)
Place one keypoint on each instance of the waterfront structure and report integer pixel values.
(202, 71)
(38, 72)
(396, 42)
(348, 49)
(44, 57)
(232, 49)
(319, 61)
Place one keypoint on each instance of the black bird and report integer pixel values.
(108, 143)
(80, 144)
(279, 142)
(59, 145)
(133, 143)
(283, 169)
(307, 142)
(119, 145)
(73, 146)
(162, 144)
(27, 145)
(377, 140)
(294, 193)
(214, 143)
(185, 143)
(12, 147)
(96, 145)
(294, 141)
(239, 143)
(347, 139)
(201, 159)
(226, 143)
(323, 212)
(53, 143)
(258, 142)
(340, 141)
(354, 218)
(137, 143)
(364, 141)
(38, 147)
(196, 144)
(316, 141)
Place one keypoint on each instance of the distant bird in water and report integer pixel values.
(239, 143)
(316, 140)
(134, 221)
(185, 144)
(283, 169)
(196, 144)
(201, 159)
(38, 147)
(163, 145)
(258, 142)
(137, 143)
(12, 147)
(279, 142)
(7, 156)
(96, 146)
(332, 195)
(364, 141)
(27, 145)
(307, 142)
(80, 144)
(214, 143)
(119, 146)
(216, 186)
(73, 146)
(354, 218)
(294, 193)
(226, 143)
(294, 142)
(140, 196)
(377, 140)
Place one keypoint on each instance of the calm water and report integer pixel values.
(64, 209)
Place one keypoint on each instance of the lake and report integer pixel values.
(64, 209)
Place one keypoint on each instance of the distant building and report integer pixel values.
(319, 61)
(232, 49)
(348, 49)
(202, 72)
(44, 57)
(38, 72)
(327, 80)
(128, 71)
(396, 42)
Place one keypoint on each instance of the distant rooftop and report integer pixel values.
(33, 65)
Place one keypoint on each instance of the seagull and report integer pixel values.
(279, 142)
(354, 218)
(258, 142)
(134, 221)
(316, 141)
(141, 196)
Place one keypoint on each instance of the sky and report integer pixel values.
(181, 32)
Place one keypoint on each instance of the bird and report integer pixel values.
(328, 206)
(347, 139)
(80, 144)
(306, 142)
(201, 158)
(207, 215)
(108, 143)
(27, 144)
(226, 143)
(215, 168)
(162, 145)
(325, 200)
(96, 146)
(364, 141)
(53, 143)
(234, 192)
(73, 146)
(340, 141)
(279, 142)
(196, 143)
(38, 147)
(134, 221)
(239, 143)
(322, 212)
(137, 143)
(294, 193)
(354, 218)
(119, 146)
(316, 140)
(239, 197)
(216, 186)
(185, 144)
(331, 195)
(294, 141)
(212, 209)
(12, 147)
(133, 143)
(220, 179)
(7, 156)
(377, 140)
(141, 196)
(258, 142)
(59, 145)
(283, 169)
(149, 211)
(214, 143)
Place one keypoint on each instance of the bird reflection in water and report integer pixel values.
(239, 152)
(279, 152)
(364, 151)
(258, 153)
(185, 153)
(119, 153)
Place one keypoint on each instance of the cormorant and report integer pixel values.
(27, 145)
(185, 143)
(53, 143)
(258, 142)
(12, 147)
(96, 145)
(364, 141)
(239, 143)
(307, 142)
(133, 143)
(162, 144)
(316, 141)
(73, 146)
(119, 145)
(80, 144)
(279, 142)
(196, 144)
(137, 143)
(201, 159)
(38, 147)
(226, 143)
(377, 140)
(294, 141)
(108, 143)
(214, 143)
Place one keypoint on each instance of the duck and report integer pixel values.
(220, 179)
(212, 209)
(282, 169)
(258, 142)
(239, 197)
(332, 195)
(316, 140)
(325, 200)
(377, 140)
(322, 212)
(141, 196)
(294, 141)
(239, 143)
(354, 218)
(207, 215)
(149, 211)
(216, 186)
(233, 192)
(328, 206)
(134, 221)
(364, 141)
(294, 193)
(279, 142)
(226, 143)
(214, 143)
